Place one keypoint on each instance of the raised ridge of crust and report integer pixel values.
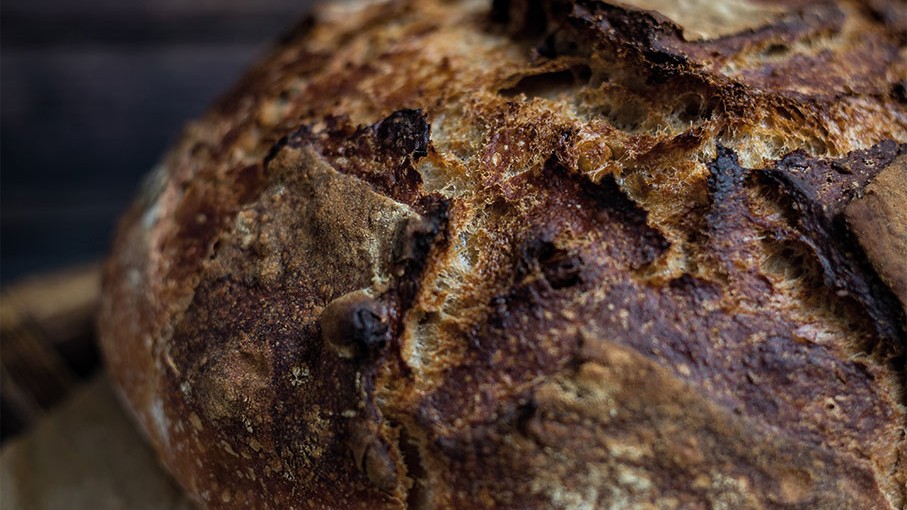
(570, 254)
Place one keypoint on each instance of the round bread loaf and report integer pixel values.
(533, 254)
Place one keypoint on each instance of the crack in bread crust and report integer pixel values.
(530, 253)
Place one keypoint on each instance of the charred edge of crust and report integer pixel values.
(725, 174)
(727, 216)
(296, 139)
(654, 46)
(418, 494)
(404, 132)
(815, 193)
(383, 154)
(648, 34)
(415, 242)
(416, 239)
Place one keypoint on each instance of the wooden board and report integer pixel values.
(76, 448)
(85, 455)
(47, 344)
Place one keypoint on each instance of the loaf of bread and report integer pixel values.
(533, 254)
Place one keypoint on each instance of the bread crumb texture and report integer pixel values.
(533, 254)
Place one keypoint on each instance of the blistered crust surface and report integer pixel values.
(533, 254)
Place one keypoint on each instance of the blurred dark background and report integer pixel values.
(91, 94)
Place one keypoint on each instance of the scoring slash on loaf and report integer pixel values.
(533, 254)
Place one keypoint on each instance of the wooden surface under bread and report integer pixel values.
(86, 455)
(75, 448)
(47, 343)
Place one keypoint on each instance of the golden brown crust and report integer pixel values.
(532, 254)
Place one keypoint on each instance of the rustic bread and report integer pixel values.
(533, 254)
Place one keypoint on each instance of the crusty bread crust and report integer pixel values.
(534, 254)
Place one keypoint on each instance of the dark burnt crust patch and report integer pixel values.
(814, 193)
(299, 138)
(416, 239)
(404, 133)
(382, 154)
(659, 43)
(728, 221)
(832, 182)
